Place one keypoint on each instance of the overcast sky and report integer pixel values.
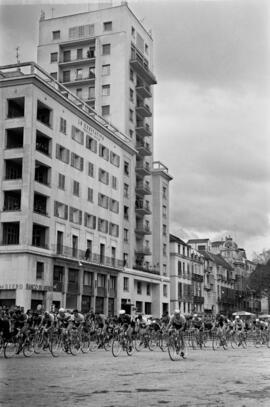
(211, 113)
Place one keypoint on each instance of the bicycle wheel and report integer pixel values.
(139, 343)
(74, 345)
(56, 346)
(215, 342)
(10, 348)
(234, 341)
(174, 353)
(85, 343)
(257, 341)
(116, 348)
(38, 344)
(93, 344)
(130, 348)
(163, 343)
(152, 344)
(28, 348)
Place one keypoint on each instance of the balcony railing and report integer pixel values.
(143, 149)
(143, 230)
(88, 290)
(143, 110)
(143, 90)
(58, 286)
(82, 255)
(101, 292)
(145, 250)
(142, 207)
(76, 61)
(198, 299)
(143, 188)
(197, 277)
(143, 130)
(151, 270)
(142, 169)
(73, 288)
(140, 64)
(112, 293)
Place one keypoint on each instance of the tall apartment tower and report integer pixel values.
(105, 57)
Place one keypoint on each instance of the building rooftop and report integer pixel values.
(198, 240)
(176, 239)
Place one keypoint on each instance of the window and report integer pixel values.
(131, 113)
(72, 274)
(91, 92)
(88, 278)
(91, 144)
(107, 26)
(89, 221)
(104, 152)
(133, 32)
(11, 233)
(105, 110)
(114, 182)
(79, 53)
(62, 153)
(126, 168)
(76, 188)
(15, 108)
(103, 176)
(61, 181)
(131, 75)
(114, 230)
(54, 75)
(106, 90)
(164, 249)
(39, 270)
(60, 210)
(54, 56)
(164, 230)
(90, 194)
(131, 132)
(125, 284)
(81, 31)
(44, 114)
(131, 95)
(103, 201)
(91, 52)
(103, 225)
(91, 170)
(148, 289)
(76, 161)
(115, 159)
(79, 93)
(139, 287)
(66, 76)
(106, 49)
(126, 235)
(106, 69)
(75, 216)
(165, 290)
(164, 210)
(164, 269)
(146, 49)
(126, 188)
(114, 205)
(126, 212)
(125, 259)
(179, 268)
(56, 35)
(66, 56)
(77, 135)
(63, 125)
(164, 192)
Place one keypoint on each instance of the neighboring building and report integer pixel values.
(200, 244)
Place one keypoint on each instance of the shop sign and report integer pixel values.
(11, 286)
(39, 287)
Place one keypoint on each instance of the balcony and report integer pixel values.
(101, 292)
(143, 251)
(143, 130)
(140, 64)
(73, 288)
(150, 269)
(143, 110)
(143, 91)
(142, 208)
(207, 286)
(88, 290)
(143, 149)
(143, 230)
(86, 40)
(197, 277)
(83, 256)
(58, 286)
(142, 169)
(198, 299)
(142, 188)
(79, 80)
(89, 61)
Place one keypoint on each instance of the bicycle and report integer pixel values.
(122, 342)
(176, 345)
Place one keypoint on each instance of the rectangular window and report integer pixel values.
(131, 75)
(164, 249)
(66, 76)
(79, 93)
(115, 159)
(164, 230)
(148, 289)
(91, 92)
(126, 190)
(76, 188)
(104, 152)
(103, 176)
(114, 182)
(165, 290)
(114, 205)
(39, 270)
(131, 95)
(179, 268)
(79, 73)
(81, 31)
(76, 161)
(107, 26)
(103, 225)
(125, 235)
(91, 144)
(164, 210)
(61, 181)
(91, 170)
(139, 287)
(54, 56)
(75, 215)
(126, 212)
(114, 230)
(106, 49)
(105, 110)
(79, 53)
(60, 210)
(54, 75)
(77, 135)
(164, 192)
(126, 168)
(131, 113)
(62, 153)
(56, 35)
(90, 194)
(106, 69)
(63, 126)
(89, 221)
(66, 56)
(103, 201)
(106, 90)
(125, 284)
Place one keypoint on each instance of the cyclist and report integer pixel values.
(46, 324)
(178, 322)
(77, 318)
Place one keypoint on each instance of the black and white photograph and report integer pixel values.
(134, 203)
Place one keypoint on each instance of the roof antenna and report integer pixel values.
(17, 55)
(52, 9)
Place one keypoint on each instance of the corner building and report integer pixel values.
(62, 191)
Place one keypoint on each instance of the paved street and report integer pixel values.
(207, 378)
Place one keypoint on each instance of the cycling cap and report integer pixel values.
(177, 311)
(61, 309)
(122, 311)
(257, 320)
(195, 315)
(237, 317)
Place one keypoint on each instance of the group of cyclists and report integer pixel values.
(16, 320)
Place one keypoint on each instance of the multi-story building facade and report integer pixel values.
(100, 60)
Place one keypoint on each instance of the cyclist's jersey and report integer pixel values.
(78, 319)
(197, 323)
(63, 320)
(124, 320)
(19, 320)
(47, 320)
(177, 322)
(208, 325)
(238, 324)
